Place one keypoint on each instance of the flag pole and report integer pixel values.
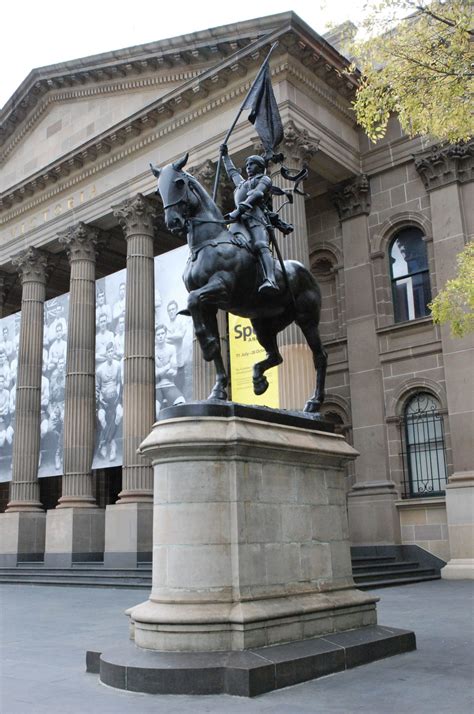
(218, 171)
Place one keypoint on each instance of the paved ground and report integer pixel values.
(45, 631)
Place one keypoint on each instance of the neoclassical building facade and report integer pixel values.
(380, 228)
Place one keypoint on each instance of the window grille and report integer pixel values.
(411, 289)
(423, 448)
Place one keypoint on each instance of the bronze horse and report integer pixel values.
(222, 273)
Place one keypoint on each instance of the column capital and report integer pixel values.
(80, 242)
(352, 197)
(442, 165)
(297, 145)
(136, 215)
(32, 265)
(205, 173)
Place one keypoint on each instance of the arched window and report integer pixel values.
(410, 277)
(425, 455)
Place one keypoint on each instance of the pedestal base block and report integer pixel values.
(245, 625)
(247, 673)
(22, 536)
(128, 534)
(458, 569)
(373, 515)
(74, 535)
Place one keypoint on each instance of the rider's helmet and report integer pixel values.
(257, 160)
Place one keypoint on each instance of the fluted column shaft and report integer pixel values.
(79, 412)
(24, 493)
(297, 380)
(137, 216)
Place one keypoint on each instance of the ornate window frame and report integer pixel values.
(380, 252)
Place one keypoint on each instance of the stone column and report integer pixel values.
(75, 529)
(373, 517)
(128, 531)
(204, 375)
(296, 374)
(23, 524)
(447, 175)
(3, 292)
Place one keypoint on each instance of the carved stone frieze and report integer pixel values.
(136, 215)
(80, 241)
(32, 265)
(352, 198)
(442, 165)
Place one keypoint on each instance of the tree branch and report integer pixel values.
(432, 14)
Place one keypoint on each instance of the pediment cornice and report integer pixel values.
(195, 97)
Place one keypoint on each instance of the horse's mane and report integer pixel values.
(206, 199)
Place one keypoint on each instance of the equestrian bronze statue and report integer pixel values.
(232, 269)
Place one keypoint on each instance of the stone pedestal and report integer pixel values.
(250, 536)
(252, 582)
(128, 534)
(74, 535)
(460, 512)
(22, 536)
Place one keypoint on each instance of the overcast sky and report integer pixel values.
(35, 34)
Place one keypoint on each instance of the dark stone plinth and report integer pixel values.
(246, 673)
(304, 420)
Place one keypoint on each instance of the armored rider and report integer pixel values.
(253, 204)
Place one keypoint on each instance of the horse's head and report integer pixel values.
(179, 200)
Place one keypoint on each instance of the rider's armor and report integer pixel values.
(252, 198)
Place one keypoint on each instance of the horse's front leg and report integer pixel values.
(204, 315)
(219, 390)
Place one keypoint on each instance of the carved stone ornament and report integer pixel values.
(32, 265)
(80, 242)
(297, 145)
(352, 198)
(442, 165)
(136, 215)
(205, 173)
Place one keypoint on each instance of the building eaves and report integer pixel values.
(294, 37)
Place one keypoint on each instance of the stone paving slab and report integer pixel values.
(45, 631)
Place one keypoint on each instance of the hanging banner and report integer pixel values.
(109, 351)
(245, 350)
(173, 367)
(9, 339)
(173, 332)
(53, 386)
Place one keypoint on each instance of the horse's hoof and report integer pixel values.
(312, 407)
(260, 385)
(219, 394)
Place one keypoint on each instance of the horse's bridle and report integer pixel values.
(182, 199)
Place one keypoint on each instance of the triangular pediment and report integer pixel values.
(64, 123)
(84, 109)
